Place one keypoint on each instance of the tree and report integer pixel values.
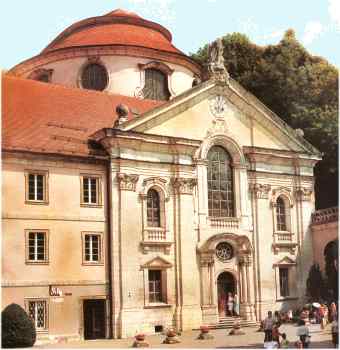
(18, 330)
(302, 89)
(315, 283)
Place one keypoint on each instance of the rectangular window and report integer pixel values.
(284, 281)
(155, 286)
(37, 246)
(36, 187)
(92, 248)
(37, 311)
(90, 190)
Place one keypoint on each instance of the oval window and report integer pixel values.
(94, 77)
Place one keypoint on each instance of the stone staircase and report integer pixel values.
(228, 322)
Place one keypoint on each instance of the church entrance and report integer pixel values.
(226, 289)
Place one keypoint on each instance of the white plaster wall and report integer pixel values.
(124, 75)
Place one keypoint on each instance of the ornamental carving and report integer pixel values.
(218, 105)
(260, 190)
(224, 251)
(127, 182)
(245, 260)
(183, 185)
(303, 194)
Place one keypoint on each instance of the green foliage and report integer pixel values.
(315, 286)
(17, 329)
(302, 89)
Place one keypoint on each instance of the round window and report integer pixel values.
(224, 251)
(94, 77)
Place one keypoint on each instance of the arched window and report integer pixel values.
(220, 183)
(156, 85)
(153, 209)
(94, 77)
(281, 214)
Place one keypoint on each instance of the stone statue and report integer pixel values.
(216, 68)
(215, 53)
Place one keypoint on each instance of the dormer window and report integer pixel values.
(156, 85)
(94, 77)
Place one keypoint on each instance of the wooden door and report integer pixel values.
(94, 319)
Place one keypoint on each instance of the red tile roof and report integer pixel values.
(49, 118)
(117, 34)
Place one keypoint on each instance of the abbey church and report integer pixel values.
(140, 190)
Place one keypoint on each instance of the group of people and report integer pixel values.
(230, 304)
(322, 315)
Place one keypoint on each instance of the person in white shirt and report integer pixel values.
(268, 327)
(303, 333)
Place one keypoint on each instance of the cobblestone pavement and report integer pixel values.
(252, 339)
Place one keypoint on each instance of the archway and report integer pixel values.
(225, 284)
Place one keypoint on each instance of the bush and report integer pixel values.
(18, 330)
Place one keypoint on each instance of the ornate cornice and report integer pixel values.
(127, 182)
(303, 193)
(260, 190)
(183, 185)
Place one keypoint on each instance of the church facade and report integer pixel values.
(141, 191)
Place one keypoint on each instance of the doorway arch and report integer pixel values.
(226, 283)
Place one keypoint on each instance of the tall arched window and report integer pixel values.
(156, 85)
(281, 214)
(153, 209)
(220, 183)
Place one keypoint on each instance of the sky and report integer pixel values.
(27, 26)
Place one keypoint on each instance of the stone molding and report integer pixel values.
(24, 283)
(245, 260)
(183, 185)
(260, 190)
(127, 182)
(282, 191)
(279, 247)
(303, 193)
(157, 182)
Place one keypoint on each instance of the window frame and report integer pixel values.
(291, 266)
(28, 261)
(230, 178)
(100, 246)
(284, 281)
(27, 301)
(44, 173)
(158, 209)
(86, 66)
(288, 205)
(98, 179)
(152, 81)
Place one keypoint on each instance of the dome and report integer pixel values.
(116, 28)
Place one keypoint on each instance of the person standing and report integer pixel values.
(236, 305)
(230, 304)
(333, 313)
(303, 333)
(268, 327)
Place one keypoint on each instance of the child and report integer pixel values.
(284, 342)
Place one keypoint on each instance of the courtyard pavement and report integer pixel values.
(321, 339)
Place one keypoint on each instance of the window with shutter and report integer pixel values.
(156, 85)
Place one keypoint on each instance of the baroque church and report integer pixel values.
(140, 189)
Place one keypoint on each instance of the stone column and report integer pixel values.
(247, 308)
(209, 307)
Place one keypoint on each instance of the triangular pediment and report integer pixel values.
(157, 262)
(195, 113)
(286, 261)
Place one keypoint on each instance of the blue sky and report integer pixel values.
(28, 26)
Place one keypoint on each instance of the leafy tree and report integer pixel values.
(17, 329)
(315, 283)
(302, 89)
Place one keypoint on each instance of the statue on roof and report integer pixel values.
(216, 67)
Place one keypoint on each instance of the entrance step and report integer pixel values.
(228, 322)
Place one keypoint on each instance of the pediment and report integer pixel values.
(285, 261)
(157, 262)
(215, 108)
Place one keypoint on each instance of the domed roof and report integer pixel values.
(118, 27)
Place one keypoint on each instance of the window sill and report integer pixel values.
(29, 262)
(36, 202)
(90, 263)
(87, 205)
(157, 306)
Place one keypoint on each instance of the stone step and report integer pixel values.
(228, 322)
